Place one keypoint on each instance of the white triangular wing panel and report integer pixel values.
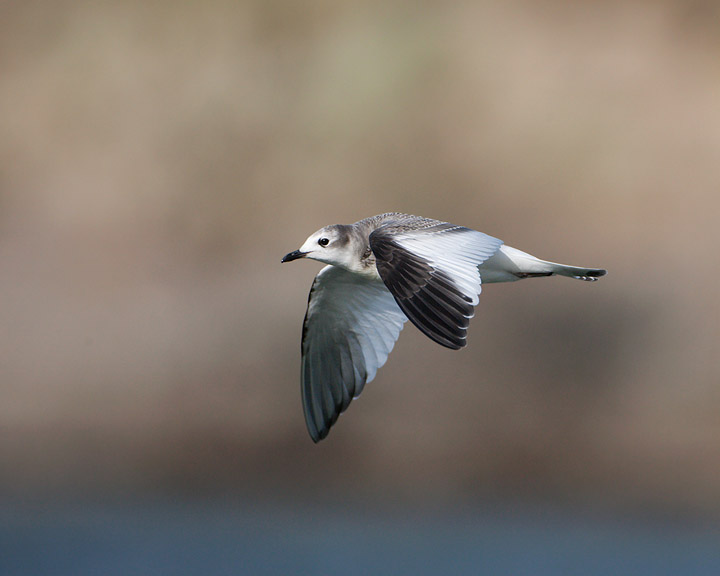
(432, 272)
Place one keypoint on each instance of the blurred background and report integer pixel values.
(158, 159)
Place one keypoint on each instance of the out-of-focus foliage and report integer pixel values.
(157, 160)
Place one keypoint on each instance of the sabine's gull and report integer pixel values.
(383, 271)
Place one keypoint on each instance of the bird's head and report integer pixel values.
(329, 245)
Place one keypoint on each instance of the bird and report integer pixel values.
(381, 272)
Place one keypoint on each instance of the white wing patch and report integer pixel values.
(351, 325)
(456, 251)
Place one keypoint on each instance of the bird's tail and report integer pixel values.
(509, 264)
(587, 274)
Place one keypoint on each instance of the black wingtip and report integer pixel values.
(316, 431)
(317, 435)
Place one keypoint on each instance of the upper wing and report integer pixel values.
(350, 327)
(432, 272)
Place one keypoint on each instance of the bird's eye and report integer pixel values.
(324, 241)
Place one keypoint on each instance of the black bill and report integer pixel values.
(293, 256)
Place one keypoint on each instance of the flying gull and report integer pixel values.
(383, 271)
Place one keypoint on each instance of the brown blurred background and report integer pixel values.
(157, 160)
